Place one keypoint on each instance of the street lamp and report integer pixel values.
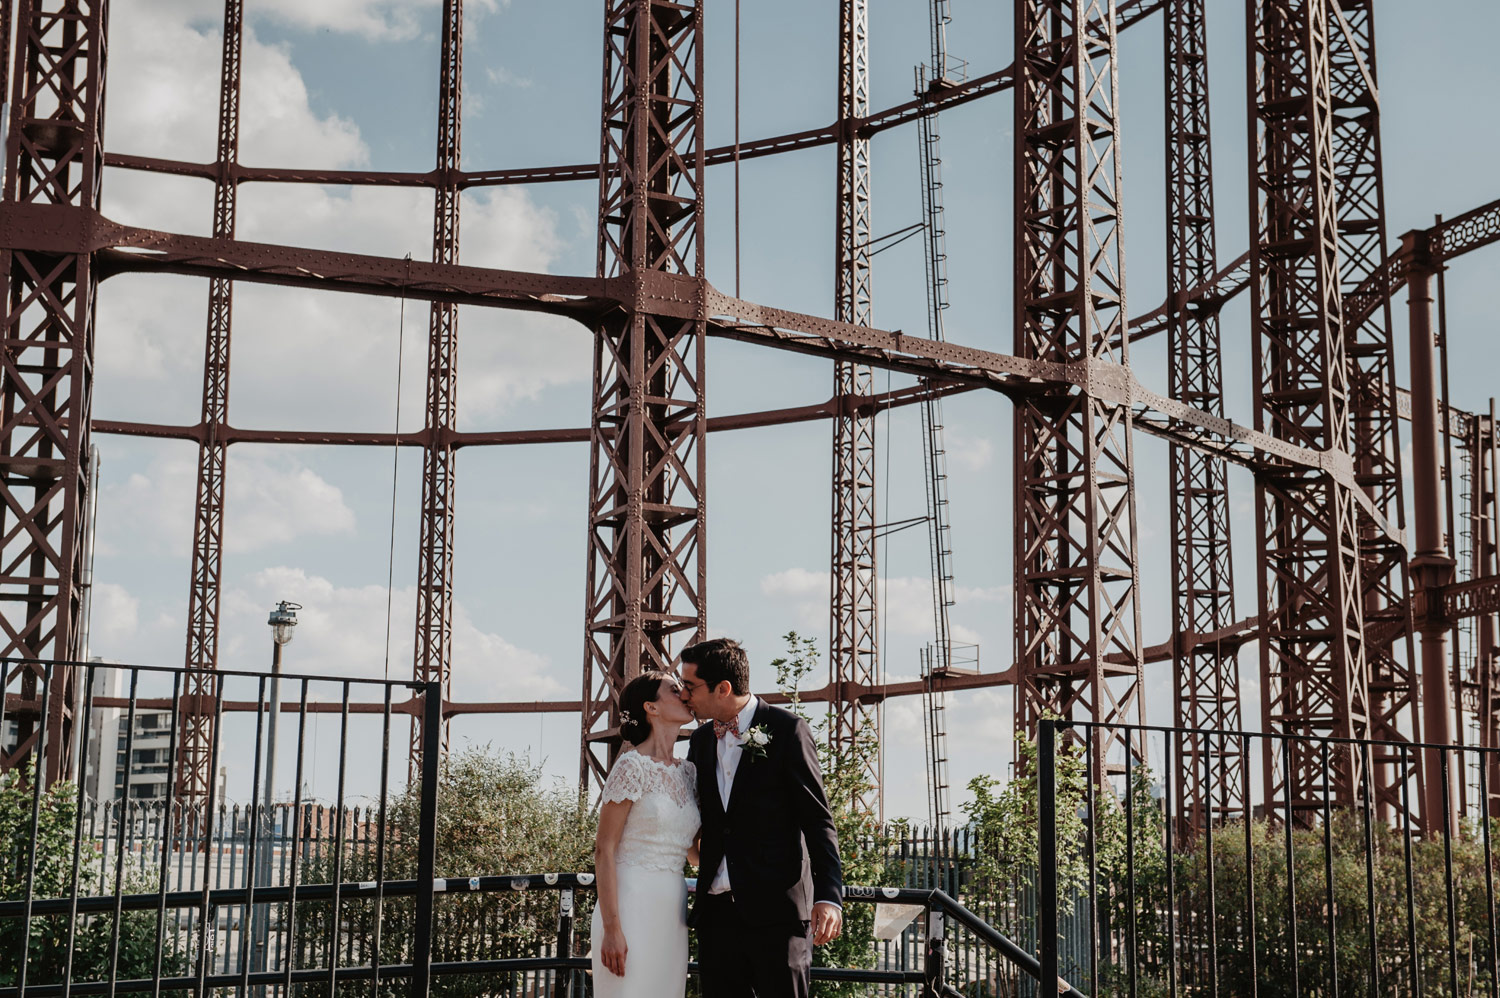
(283, 621)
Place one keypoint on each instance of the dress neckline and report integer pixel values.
(674, 764)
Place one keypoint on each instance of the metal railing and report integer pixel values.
(1350, 890)
(286, 896)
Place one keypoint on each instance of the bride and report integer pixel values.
(648, 820)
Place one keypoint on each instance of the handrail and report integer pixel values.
(932, 977)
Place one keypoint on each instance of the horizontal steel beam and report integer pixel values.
(1129, 12)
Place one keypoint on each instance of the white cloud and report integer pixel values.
(301, 359)
(270, 500)
(906, 601)
(341, 631)
(113, 616)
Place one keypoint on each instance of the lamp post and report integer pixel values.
(283, 621)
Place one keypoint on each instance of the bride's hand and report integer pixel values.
(612, 952)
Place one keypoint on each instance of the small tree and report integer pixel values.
(497, 815)
(864, 847)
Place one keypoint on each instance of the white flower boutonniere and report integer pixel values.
(755, 739)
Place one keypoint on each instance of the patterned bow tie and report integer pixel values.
(722, 728)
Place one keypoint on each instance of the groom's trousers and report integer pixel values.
(739, 960)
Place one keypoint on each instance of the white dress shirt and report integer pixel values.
(730, 748)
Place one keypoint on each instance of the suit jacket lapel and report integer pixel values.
(746, 760)
(708, 770)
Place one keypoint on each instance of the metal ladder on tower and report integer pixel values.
(937, 658)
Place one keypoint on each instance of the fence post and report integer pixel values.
(432, 747)
(565, 941)
(1046, 901)
(934, 970)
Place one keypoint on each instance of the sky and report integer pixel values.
(353, 84)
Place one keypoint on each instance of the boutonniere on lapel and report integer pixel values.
(755, 740)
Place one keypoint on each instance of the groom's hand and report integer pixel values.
(827, 923)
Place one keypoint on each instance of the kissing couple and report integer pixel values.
(746, 807)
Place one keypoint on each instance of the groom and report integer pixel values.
(769, 882)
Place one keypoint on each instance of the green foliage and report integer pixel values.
(1140, 908)
(52, 862)
(864, 846)
(496, 816)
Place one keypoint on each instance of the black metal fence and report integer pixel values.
(1355, 889)
(278, 894)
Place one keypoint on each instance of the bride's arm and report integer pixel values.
(693, 850)
(606, 843)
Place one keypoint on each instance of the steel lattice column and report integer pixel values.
(194, 772)
(1360, 200)
(54, 157)
(1075, 554)
(1205, 686)
(434, 639)
(853, 636)
(646, 570)
(1313, 679)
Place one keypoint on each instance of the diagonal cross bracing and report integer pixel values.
(1078, 650)
(54, 157)
(1205, 679)
(194, 770)
(433, 647)
(1313, 679)
(853, 632)
(1360, 200)
(646, 568)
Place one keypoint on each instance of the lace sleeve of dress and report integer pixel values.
(627, 781)
(690, 773)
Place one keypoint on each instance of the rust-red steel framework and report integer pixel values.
(1333, 608)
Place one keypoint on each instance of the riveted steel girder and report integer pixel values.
(1077, 632)
(646, 569)
(194, 765)
(1205, 678)
(1313, 678)
(433, 647)
(54, 157)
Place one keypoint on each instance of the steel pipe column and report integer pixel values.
(1205, 677)
(853, 634)
(1313, 679)
(1432, 566)
(194, 768)
(433, 648)
(1078, 650)
(646, 568)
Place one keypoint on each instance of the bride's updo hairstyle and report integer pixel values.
(635, 726)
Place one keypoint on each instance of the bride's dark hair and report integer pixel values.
(635, 727)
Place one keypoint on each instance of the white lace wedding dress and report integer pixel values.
(649, 873)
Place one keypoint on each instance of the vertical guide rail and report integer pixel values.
(939, 659)
(436, 548)
(432, 720)
(647, 533)
(1078, 648)
(1205, 677)
(1312, 662)
(853, 638)
(193, 773)
(54, 156)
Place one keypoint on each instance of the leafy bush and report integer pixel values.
(46, 952)
(496, 816)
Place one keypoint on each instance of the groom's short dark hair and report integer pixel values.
(720, 660)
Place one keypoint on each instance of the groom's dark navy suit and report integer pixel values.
(778, 841)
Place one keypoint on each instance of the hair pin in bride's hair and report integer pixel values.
(625, 718)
